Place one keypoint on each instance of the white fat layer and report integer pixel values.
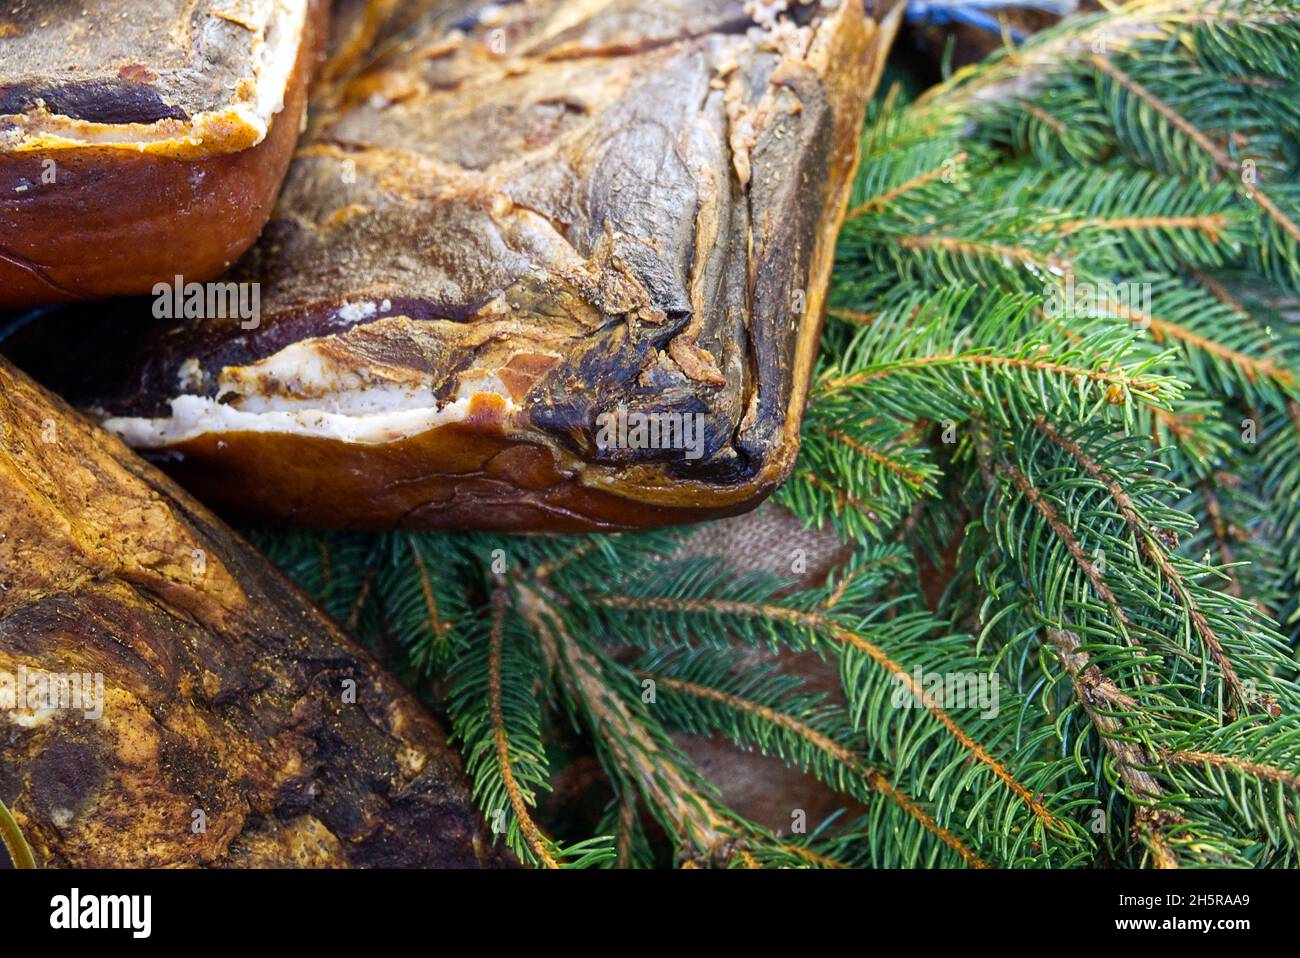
(276, 53)
(373, 415)
(302, 372)
(304, 390)
(195, 416)
(371, 401)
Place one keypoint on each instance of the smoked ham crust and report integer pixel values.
(236, 725)
(144, 139)
(517, 226)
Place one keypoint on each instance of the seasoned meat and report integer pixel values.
(548, 265)
(167, 698)
(141, 139)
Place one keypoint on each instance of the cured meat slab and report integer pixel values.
(141, 139)
(537, 266)
(168, 699)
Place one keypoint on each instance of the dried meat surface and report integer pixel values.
(516, 224)
(209, 713)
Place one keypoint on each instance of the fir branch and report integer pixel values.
(1139, 22)
(819, 624)
(538, 844)
(1211, 225)
(914, 477)
(437, 627)
(1117, 381)
(1250, 767)
(1221, 537)
(419, 606)
(1067, 537)
(882, 468)
(1148, 544)
(952, 355)
(1226, 164)
(638, 755)
(627, 833)
(1104, 704)
(765, 715)
(923, 178)
(496, 717)
(959, 247)
(1269, 773)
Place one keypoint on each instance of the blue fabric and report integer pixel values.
(974, 13)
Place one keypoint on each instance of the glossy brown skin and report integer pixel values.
(115, 222)
(597, 204)
(482, 481)
(223, 686)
